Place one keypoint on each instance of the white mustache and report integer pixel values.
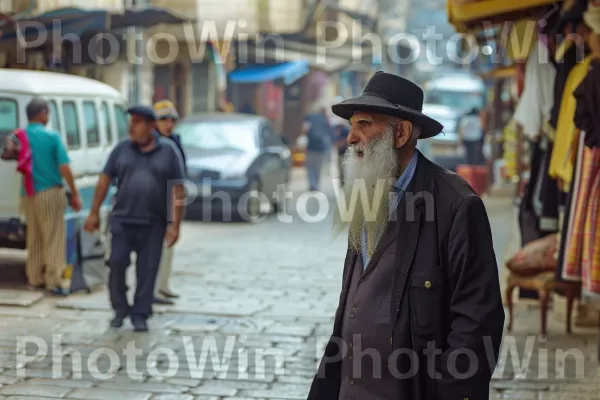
(359, 147)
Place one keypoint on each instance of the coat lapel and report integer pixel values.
(349, 264)
(386, 240)
(407, 228)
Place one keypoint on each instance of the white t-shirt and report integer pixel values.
(471, 128)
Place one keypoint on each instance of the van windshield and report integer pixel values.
(9, 116)
(462, 101)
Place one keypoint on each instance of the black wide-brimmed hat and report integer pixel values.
(391, 95)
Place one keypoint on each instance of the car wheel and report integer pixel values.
(280, 199)
(252, 210)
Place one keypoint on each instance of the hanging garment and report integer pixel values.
(572, 269)
(590, 259)
(545, 199)
(570, 206)
(587, 120)
(587, 95)
(561, 163)
(528, 219)
(548, 194)
(563, 68)
(537, 99)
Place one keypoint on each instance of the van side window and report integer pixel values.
(122, 123)
(110, 129)
(54, 119)
(9, 116)
(71, 125)
(91, 124)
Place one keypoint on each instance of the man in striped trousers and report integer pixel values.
(45, 210)
(167, 116)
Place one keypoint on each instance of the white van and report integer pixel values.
(447, 98)
(91, 118)
(460, 91)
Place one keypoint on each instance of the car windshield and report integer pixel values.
(457, 100)
(217, 135)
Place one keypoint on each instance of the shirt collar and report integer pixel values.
(402, 182)
(157, 143)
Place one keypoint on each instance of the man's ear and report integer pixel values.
(403, 130)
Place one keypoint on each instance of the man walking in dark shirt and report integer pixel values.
(149, 175)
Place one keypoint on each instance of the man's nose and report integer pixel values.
(353, 137)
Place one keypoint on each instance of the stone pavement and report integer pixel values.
(257, 303)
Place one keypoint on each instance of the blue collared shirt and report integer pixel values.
(400, 187)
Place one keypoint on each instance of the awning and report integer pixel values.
(79, 21)
(465, 13)
(288, 72)
(331, 64)
(329, 60)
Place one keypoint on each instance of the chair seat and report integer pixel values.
(544, 280)
(544, 284)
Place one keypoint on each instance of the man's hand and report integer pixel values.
(172, 235)
(75, 202)
(92, 223)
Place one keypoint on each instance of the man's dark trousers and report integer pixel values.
(146, 240)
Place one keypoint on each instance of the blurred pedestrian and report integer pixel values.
(420, 274)
(149, 175)
(319, 134)
(341, 130)
(45, 208)
(471, 135)
(167, 117)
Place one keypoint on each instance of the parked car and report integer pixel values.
(445, 149)
(238, 163)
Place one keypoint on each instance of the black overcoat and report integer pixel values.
(446, 306)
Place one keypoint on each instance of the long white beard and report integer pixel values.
(363, 203)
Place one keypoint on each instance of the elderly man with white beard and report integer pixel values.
(420, 315)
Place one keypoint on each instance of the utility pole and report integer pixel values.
(139, 50)
(391, 21)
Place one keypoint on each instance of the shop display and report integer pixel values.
(557, 124)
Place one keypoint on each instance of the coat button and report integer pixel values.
(351, 381)
(428, 286)
(391, 340)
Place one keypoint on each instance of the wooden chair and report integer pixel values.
(544, 284)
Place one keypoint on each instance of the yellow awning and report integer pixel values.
(462, 13)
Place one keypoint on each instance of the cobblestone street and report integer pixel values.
(263, 298)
